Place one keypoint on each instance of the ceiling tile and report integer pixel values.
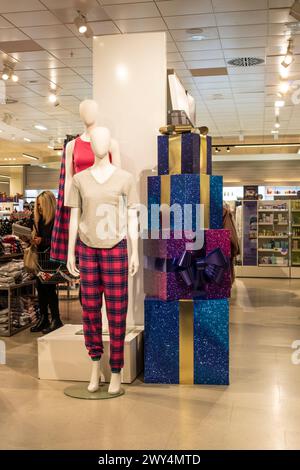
(72, 53)
(174, 57)
(188, 7)
(67, 15)
(104, 27)
(17, 5)
(183, 73)
(243, 31)
(245, 70)
(171, 47)
(176, 65)
(280, 16)
(242, 18)
(239, 5)
(280, 3)
(203, 64)
(232, 53)
(60, 43)
(11, 34)
(182, 35)
(202, 55)
(42, 18)
(137, 26)
(132, 10)
(82, 62)
(277, 29)
(48, 32)
(189, 46)
(31, 56)
(190, 21)
(36, 65)
(244, 42)
(4, 23)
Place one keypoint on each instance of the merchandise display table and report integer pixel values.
(62, 355)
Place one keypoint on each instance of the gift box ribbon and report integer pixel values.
(195, 271)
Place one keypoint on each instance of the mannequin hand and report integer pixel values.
(71, 265)
(134, 265)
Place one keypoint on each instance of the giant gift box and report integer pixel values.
(172, 273)
(187, 342)
(186, 190)
(185, 153)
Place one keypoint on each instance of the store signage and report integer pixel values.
(251, 192)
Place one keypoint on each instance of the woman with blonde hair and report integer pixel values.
(44, 213)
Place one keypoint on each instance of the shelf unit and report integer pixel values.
(15, 289)
(295, 233)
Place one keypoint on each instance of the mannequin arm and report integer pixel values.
(69, 169)
(115, 152)
(73, 230)
(134, 240)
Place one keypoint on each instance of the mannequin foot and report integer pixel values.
(115, 383)
(96, 376)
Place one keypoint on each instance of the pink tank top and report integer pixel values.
(83, 156)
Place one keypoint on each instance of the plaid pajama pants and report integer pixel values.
(104, 270)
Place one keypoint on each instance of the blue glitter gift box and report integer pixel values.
(186, 192)
(187, 342)
(184, 154)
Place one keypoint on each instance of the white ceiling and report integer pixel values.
(242, 101)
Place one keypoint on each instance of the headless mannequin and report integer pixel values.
(88, 110)
(102, 170)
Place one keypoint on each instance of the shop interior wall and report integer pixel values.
(130, 88)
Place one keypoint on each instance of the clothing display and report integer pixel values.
(13, 273)
(104, 271)
(10, 244)
(23, 310)
(60, 235)
(5, 227)
(112, 196)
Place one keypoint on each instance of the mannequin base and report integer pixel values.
(80, 391)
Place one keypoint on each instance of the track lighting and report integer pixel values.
(284, 87)
(279, 103)
(81, 23)
(52, 97)
(14, 77)
(8, 72)
(289, 57)
(5, 73)
(277, 123)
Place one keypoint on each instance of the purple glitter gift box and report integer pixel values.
(173, 272)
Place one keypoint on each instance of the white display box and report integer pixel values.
(62, 355)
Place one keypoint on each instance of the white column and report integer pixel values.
(130, 88)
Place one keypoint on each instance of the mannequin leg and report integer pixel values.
(91, 295)
(115, 281)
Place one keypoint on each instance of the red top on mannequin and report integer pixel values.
(83, 156)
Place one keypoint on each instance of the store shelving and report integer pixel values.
(295, 235)
(273, 248)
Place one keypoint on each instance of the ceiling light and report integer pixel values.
(44, 166)
(284, 73)
(279, 103)
(284, 87)
(277, 111)
(5, 73)
(52, 98)
(81, 23)
(27, 140)
(289, 57)
(228, 149)
(14, 77)
(196, 34)
(277, 124)
(25, 155)
(217, 150)
(40, 127)
(273, 131)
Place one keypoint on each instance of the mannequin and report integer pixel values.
(77, 156)
(88, 110)
(93, 186)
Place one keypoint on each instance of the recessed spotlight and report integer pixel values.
(228, 150)
(15, 78)
(284, 87)
(40, 127)
(279, 103)
(196, 34)
(289, 57)
(52, 98)
(5, 73)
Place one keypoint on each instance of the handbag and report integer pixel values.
(31, 259)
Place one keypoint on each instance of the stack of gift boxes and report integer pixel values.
(186, 272)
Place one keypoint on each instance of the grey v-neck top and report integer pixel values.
(103, 219)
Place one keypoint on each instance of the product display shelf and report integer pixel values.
(15, 290)
(295, 238)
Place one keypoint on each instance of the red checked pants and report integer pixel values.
(104, 270)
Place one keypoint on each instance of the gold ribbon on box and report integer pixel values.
(175, 155)
(205, 198)
(186, 342)
(203, 154)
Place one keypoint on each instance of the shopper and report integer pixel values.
(44, 212)
(228, 224)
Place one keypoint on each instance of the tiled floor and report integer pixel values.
(259, 410)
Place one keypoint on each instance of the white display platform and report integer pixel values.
(62, 355)
(295, 272)
(262, 271)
